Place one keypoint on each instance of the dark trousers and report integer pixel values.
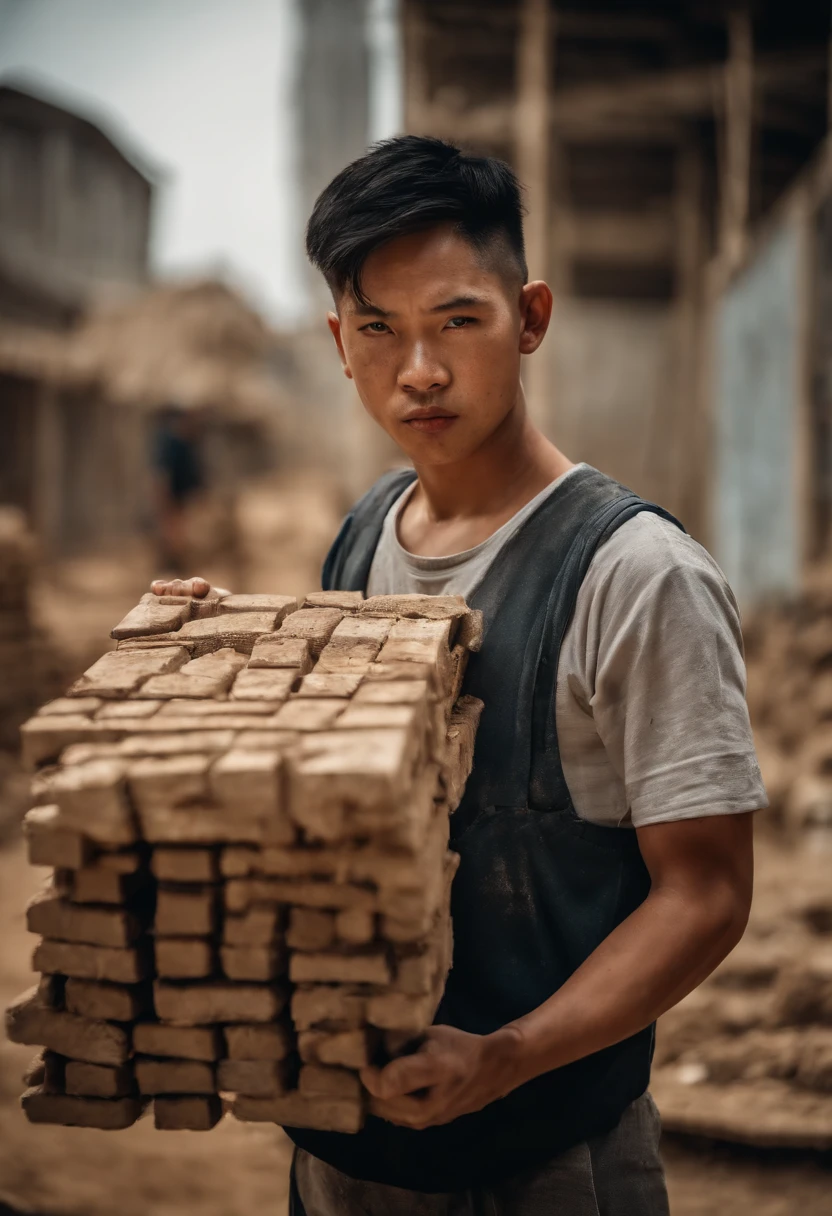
(619, 1174)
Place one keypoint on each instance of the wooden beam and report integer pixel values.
(616, 236)
(532, 135)
(735, 170)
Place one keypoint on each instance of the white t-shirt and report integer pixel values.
(650, 703)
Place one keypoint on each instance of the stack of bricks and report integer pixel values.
(246, 807)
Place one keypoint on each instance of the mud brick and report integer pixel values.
(92, 799)
(303, 862)
(280, 605)
(361, 768)
(393, 692)
(211, 709)
(83, 753)
(249, 785)
(355, 926)
(318, 1081)
(199, 825)
(122, 861)
(93, 962)
(259, 926)
(329, 684)
(181, 685)
(113, 712)
(119, 672)
(363, 629)
(102, 885)
(241, 893)
(400, 869)
(374, 717)
(370, 968)
(185, 1112)
(71, 705)
(255, 1078)
(47, 1069)
(50, 842)
(308, 713)
(310, 929)
(384, 672)
(180, 1042)
(269, 1041)
(264, 684)
(295, 1110)
(165, 782)
(184, 958)
(167, 1076)
(420, 641)
(459, 750)
(347, 601)
(186, 912)
(416, 973)
(265, 738)
(399, 1011)
(316, 625)
(57, 918)
(343, 1048)
(207, 1004)
(186, 865)
(278, 651)
(99, 1080)
(345, 655)
(324, 1005)
(181, 743)
(226, 661)
(51, 990)
(44, 738)
(30, 1022)
(239, 862)
(149, 618)
(253, 962)
(109, 1114)
(107, 1002)
(238, 630)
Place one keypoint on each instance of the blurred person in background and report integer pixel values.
(178, 473)
(605, 833)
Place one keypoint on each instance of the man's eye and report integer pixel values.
(460, 322)
(376, 327)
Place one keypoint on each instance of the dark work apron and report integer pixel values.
(537, 889)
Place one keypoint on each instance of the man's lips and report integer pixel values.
(430, 422)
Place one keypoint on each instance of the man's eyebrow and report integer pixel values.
(459, 302)
(369, 310)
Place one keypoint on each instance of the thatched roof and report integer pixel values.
(195, 345)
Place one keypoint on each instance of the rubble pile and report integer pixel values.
(245, 806)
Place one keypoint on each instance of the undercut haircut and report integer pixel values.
(406, 185)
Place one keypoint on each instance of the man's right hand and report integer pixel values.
(197, 587)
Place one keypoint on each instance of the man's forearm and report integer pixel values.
(653, 959)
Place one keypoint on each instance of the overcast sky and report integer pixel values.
(202, 89)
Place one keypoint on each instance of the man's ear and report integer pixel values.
(535, 315)
(334, 323)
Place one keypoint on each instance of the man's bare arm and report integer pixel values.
(694, 915)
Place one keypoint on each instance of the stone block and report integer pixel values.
(331, 968)
(260, 963)
(193, 1113)
(30, 1022)
(85, 962)
(310, 929)
(318, 1081)
(109, 1114)
(185, 865)
(150, 618)
(107, 1002)
(186, 911)
(168, 1076)
(99, 1080)
(264, 684)
(209, 1003)
(268, 1041)
(50, 842)
(57, 918)
(329, 684)
(179, 1042)
(315, 625)
(296, 1110)
(259, 926)
(282, 652)
(308, 713)
(118, 673)
(92, 799)
(184, 958)
(255, 1078)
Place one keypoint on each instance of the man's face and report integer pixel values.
(436, 355)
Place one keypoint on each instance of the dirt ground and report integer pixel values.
(240, 1168)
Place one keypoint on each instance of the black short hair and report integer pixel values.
(406, 185)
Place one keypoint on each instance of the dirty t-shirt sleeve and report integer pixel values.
(664, 676)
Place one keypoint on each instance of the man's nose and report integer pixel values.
(422, 372)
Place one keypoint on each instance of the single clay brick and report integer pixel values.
(249, 784)
(93, 962)
(239, 862)
(101, 885)
(331, 863)
(329, 684)
(393, 692)
(323, 1005)
(259, 926)
(187, 1113)
(181, 684)
(30, 1022)
(210, 709)
(45, 738)
(99, 1080)
(186, 912)
(122, 861)
(253, 962)
(398, 1011)
(265, 738)
(199, 825)
(316, 625)
(264, 684)
(241, 893)
(61, 920)
(119, 672)
(343, 1048)
(168, 782)
(363, 629)
(295, 1110)
(308, 713)
(184, 958)
(110, 1114)
(270, 1041)
(316, 1081)
(348, 655)
(372, 717)
(348, 601)
(209, 1003)
(185, 865)
(238, 630)
(51, 843)
(310, 929)
(355, 926)
(107, 1002)
(181, 1042)
(339, 969)
(282, 652)
(415, 605)
(71, 705)
(92, 799)
(281, 605)
(256, 1078)
(150, 618)
(113, 711)
(174, 1076)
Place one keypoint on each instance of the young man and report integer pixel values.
(605, 835)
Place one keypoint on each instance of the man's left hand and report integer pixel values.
(453, 1073)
